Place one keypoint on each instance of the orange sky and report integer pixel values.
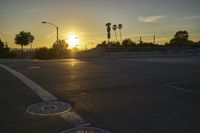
(86, 19)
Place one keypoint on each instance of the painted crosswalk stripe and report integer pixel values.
(70, 117)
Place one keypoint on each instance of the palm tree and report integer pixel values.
(108, 31)
(115, 28)
(120, 27)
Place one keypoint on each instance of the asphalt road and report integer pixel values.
(122, 95)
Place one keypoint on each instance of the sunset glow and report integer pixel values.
(140, 18)
(72, 40)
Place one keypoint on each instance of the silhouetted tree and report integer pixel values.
(102, 44)
(60, 48)
(4, 49)
(61, 44)
(180, 37)
(128, 42)
(115, 44)
(108, 31)
(180, 40)
(120, 28)
(146, 44)
(22, 39)
(1, 44)
(42, 53)
(115, 28)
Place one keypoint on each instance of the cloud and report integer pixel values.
(191, 17)
(32, 11)
(151, 19)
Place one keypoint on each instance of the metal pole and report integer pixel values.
(57, 33)
(44, 22)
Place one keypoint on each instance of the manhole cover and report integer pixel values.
(85, 130)
(48, 108)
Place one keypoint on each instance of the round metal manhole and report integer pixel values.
(86, 130)
(48, 108)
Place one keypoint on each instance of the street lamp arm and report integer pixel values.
(44, 22)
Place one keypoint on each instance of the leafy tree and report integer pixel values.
(42, 53)
(4, 50)
(60, 48)
(180, 37)
(1, 44)
(114, 44)
(57, 50)
(128, 42)
(146, 44)
(61, 45)
(22, 39)
(102, 44)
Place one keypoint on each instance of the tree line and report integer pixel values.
(4, 49)
(179, 41)
(59, 49)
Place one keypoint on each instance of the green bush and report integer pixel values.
(42, 53)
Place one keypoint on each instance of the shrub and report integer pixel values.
(42, 53)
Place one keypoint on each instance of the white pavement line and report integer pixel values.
(42, 93)
(70, 117)
(77, 120)
(181, 89)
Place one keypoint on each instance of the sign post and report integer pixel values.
(30, 40)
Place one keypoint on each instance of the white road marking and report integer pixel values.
(77, 120)
(42, 93)
(70, 117)
(181, 89)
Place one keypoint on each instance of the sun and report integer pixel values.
(72, 40)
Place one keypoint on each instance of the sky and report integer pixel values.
(86, 19)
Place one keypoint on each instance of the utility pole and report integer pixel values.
(140, 39)
(154, 39)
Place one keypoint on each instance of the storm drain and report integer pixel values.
(48, 108)
(85, 130)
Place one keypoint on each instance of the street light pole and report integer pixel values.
(57, 33)
(44, 22)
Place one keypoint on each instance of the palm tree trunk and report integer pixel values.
(120, 35)
(116, 35)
